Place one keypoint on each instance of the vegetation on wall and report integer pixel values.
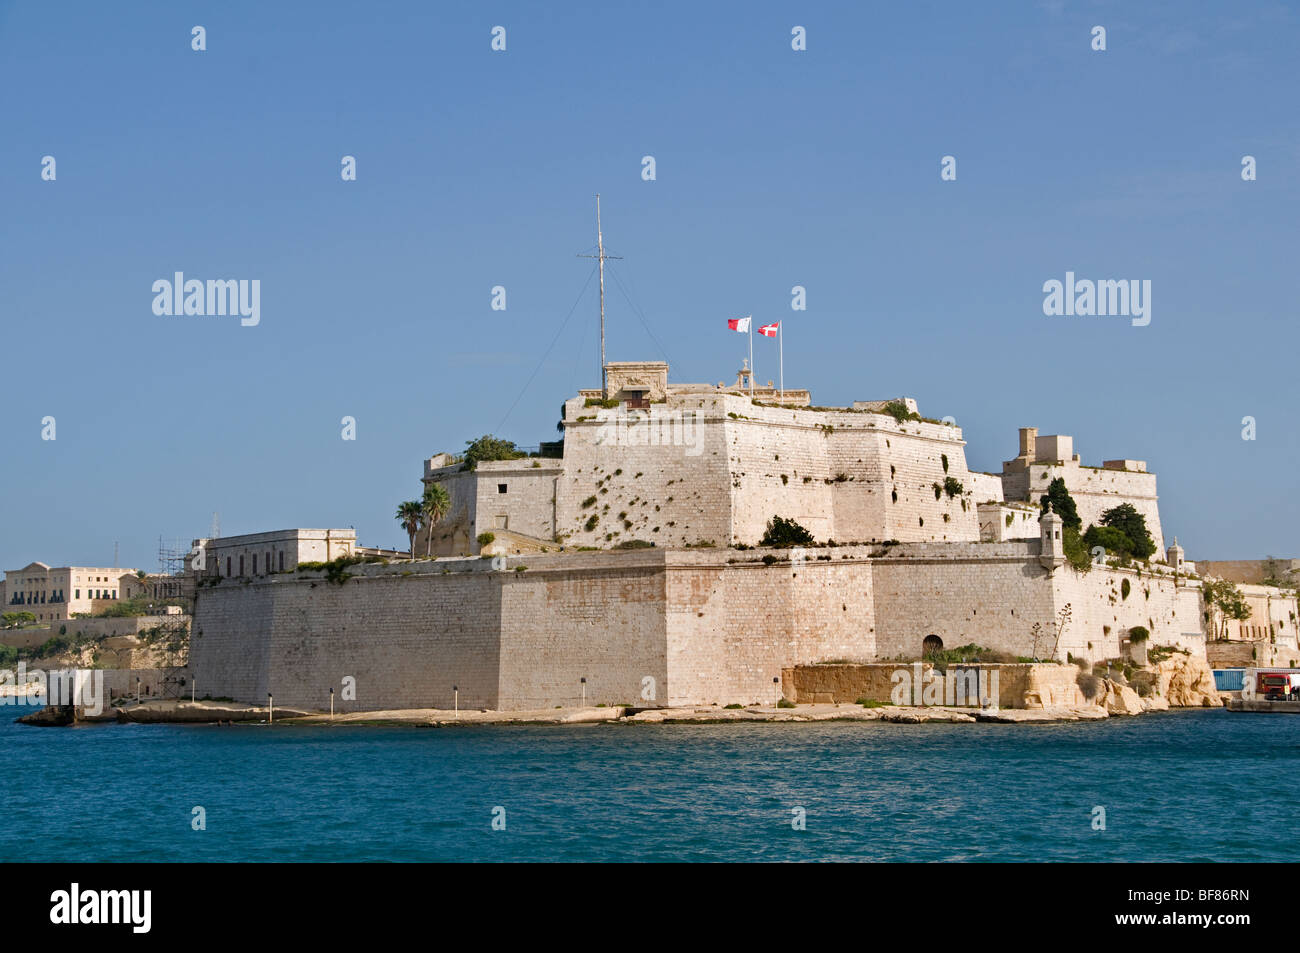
(1223, 601)
(1062, 504)
(488, 447)
(785, 532)
(1133, 525)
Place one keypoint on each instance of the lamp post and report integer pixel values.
(270, 709)
(331, 704)
(137, 689)
(455, 691)
(584, 691)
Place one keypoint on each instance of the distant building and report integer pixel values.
(59, 593)
(261, 554)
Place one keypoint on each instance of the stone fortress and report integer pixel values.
(621, 564)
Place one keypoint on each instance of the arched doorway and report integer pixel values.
(931, 645)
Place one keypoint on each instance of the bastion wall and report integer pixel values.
(647, 627)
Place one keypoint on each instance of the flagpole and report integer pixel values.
(751, 357)
(780, 350)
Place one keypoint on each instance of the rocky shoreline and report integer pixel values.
(218, 713)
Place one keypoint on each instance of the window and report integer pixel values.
(282, 560)
(227, 565)
(241, 564)
(254, 564)
(501, 487)
(76, 593)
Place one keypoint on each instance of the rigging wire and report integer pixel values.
(549, 348)
(640, 315)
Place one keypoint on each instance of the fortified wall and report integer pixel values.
(709, 626)
(640, 584)
(698, 465)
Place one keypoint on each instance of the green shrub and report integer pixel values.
(784, 703)
(785, 532)
(898, 410)
(488, 447)
(1076, 552)
(485, 539)
(1110, 538)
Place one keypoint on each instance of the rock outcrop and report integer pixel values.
(1186, 681)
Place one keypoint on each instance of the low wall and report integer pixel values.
(1250, 654)
(87, 628)
(1019, 685)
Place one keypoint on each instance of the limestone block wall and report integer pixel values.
(732, 625)
(1169, 608)
(600, 618)
(989, 594)
(659, 475)
(406, 639)
(455, 533)
(1000, 522)
(718, 467)
(986, 487)
(528, 504)
(881, 474)
(1019, 685)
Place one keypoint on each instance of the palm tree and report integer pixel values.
(409, 515)
(436, 503)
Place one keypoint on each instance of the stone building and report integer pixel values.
(261, 554)
(55, 594)
(630, 571)
(1043, 459)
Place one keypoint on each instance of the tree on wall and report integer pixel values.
(435, 505)
(488, 447)
(1062, 502)
(1132, 524)
(409, 514)
(1110, 538)
(1223, 601)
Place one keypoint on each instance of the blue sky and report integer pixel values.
(774, 168)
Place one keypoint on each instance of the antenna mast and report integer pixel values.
(600, 257)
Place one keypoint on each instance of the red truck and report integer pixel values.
(1278, 686)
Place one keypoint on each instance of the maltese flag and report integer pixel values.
(769, 330)
(739, 324)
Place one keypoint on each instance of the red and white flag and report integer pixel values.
(739, 324)
(769, 330)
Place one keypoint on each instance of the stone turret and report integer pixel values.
(1052, 556)
(1174, 555)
